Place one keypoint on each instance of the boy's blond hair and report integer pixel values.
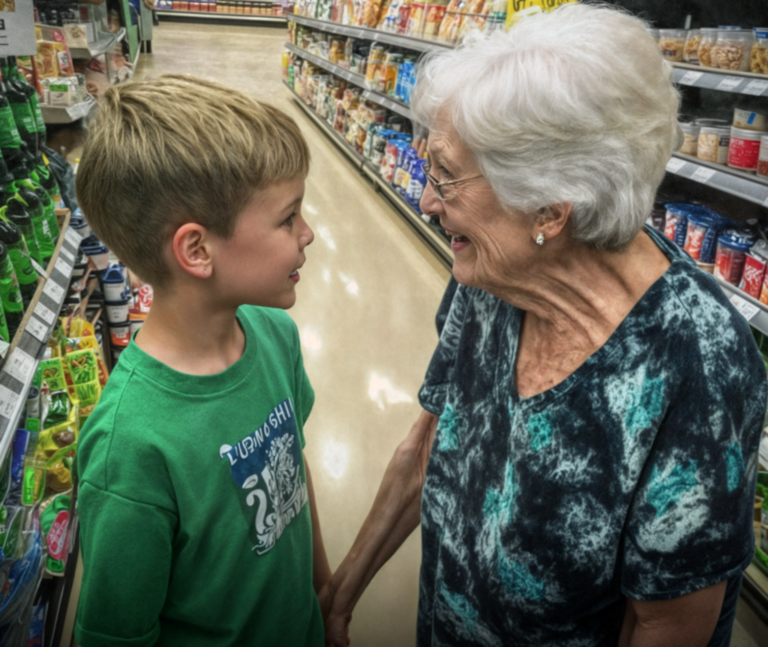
(179, 149)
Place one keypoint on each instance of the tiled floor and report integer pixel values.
(365, 311)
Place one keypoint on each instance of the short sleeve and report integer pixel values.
(450, 322)
(304, 393)
(690, 523)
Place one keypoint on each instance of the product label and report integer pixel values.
(752, 278)
(57, 536)
(9, 134)
(23, 116)
(37, 329)
(21, 264)
(743, 153)
(703, 174)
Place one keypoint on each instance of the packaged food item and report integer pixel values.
(762, 158)
(744, 149)
(698, 225)
(758, 58)
(708, 41)
(713, 144)
(54, 524)
(13, 305)
(753, 275)
(732, 249)
(732, 49)
(690, 138)
(691, 49)
(749, 120)
(676, 222)
(672, 43)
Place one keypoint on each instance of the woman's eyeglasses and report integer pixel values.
(438, 186)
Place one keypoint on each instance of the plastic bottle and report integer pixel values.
(30, 198)
(22, 112)
(16, 213)
(9, 134)
(416, 184)
(34, 101)
(12, 238)
(10, 295)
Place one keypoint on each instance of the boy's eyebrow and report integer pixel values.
(293, 203)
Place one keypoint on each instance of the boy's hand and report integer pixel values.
(336, 625)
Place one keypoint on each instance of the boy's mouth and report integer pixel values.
(294, 276)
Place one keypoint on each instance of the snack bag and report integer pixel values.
(84, 370)
(52, 371)
(54, 524)
(58, 469)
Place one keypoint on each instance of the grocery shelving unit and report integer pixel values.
(383, 100)
(105, 44)
(67, 114)
(708, 78)
(204, 16)
(737, 183)
(431, 236)
(28, 344)
(374, 35)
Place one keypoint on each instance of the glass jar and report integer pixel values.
(691, 49)
(758, 59)
(708, 40)
(672, 43)
(732, 49)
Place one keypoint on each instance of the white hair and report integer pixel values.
(576, 105)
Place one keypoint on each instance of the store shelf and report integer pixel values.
(207, 15)
(696, 76)
(375, 35)
(743, 185)
(105, 44)
(754, 312)
(422, 228)
(32, 337)
(67, 114)
(356, 79)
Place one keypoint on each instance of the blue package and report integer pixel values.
(20, 443)
(37, 626)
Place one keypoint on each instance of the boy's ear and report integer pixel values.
(191, 246)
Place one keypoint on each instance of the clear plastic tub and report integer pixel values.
(713, 144)
(690, 138)
(672, 44)
(758, 59)
(749, 120)
(732, 50)
(691, 49)
(708, 41)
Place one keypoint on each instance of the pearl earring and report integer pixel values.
(540, 239)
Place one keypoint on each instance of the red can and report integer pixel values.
(753, 276)
(731, 255)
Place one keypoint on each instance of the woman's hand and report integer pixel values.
(393, 517)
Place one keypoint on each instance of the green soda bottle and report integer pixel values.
(36, 175)
(22, 113)
(11, 237)
(34, 102)
(9, 134)
(28, 195)
(4, 328)
(9, 293)
(16, 213)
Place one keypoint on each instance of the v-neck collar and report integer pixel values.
(676, 258)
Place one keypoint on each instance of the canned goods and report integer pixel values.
(753, 276)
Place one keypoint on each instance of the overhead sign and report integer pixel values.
(17, 28)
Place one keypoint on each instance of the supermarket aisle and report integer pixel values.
(365, 310)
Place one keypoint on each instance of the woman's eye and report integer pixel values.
(444, 173)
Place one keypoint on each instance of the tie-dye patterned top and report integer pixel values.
(634, 477)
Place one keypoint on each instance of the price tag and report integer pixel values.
(747, 309)
(703, 174)
(690, 78)
(54, 290)
(675, 164)
(20, 365)
(73, 237)
(37, 329)
(729, 83)
(62, 266)
(67, 255)
(8, 401)
(756, 87)
(45, 313)
(38, 268)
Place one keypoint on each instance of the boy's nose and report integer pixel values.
(307, 236)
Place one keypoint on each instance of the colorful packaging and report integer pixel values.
(744, 149)
(732, 249)
(753, 276)
(676, 224)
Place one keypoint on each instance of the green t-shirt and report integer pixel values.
(195, 523)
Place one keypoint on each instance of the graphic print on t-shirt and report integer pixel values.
(266, 467)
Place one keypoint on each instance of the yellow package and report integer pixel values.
(517, 9)
(58, 469)
(52, 371)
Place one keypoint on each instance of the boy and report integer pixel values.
(198, 520)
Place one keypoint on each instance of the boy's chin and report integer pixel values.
(284, 301)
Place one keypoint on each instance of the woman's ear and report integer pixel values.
(552, 220)
(191, 246)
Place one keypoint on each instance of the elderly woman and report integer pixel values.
(600, 402)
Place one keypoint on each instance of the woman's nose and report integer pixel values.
(430, 204)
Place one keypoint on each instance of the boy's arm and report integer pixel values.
(321, 571)
(127, 549)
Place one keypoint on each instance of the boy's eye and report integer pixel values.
(289, 220)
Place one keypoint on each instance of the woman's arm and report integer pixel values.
(688, 620)
(321, 571)
(394, 516)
